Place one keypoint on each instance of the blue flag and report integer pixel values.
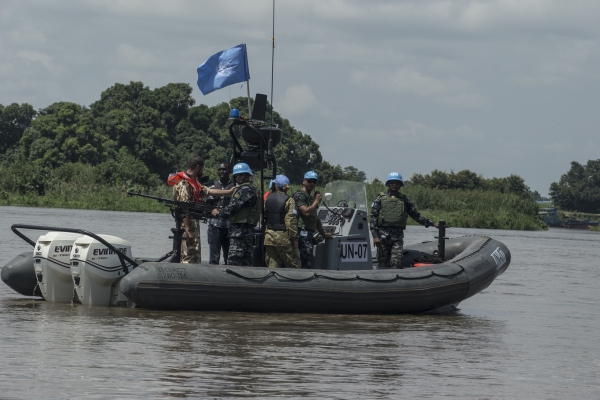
(223, 69)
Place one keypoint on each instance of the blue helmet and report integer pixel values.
(241, 168)
(281, 181)
(393, 176)
(311, 175)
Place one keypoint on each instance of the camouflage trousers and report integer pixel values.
(305, 247)
(241, 239)
(190, 251)
(389, 252)
(282, 257)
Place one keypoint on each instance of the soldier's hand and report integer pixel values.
(318, 198)
(214, 212)
(377, 241)
(437, 225)
(327, 235)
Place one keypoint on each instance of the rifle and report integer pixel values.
(182, 209)
(179, 211)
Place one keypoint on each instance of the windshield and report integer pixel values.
(353, 193)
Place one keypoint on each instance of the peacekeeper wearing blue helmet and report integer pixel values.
(243, 213)
(308, 222)
(389, 213)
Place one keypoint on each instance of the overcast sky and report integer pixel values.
(496, 87)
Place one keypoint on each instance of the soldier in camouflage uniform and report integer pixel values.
(281, 235)
(243, 214)
(187, 188)
(389, 213)
(308, 222)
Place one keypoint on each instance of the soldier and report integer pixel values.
(243, 214)
(218, 228)
(308, 223)
(389, 213)
(187, 188)
(281, 235)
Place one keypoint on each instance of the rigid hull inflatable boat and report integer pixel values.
(475, 262)
(73, 265)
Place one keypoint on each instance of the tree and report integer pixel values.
(579, 188)
(62, 132)
(14, 120)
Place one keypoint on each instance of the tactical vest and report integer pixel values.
(249, 214)
(392, 211)
(275, 211)
(310, 222)
(222, 201)
(174, 179)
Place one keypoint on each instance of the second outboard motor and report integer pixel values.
(51, 265)
(96, 270)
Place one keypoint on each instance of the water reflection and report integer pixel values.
(531, 334)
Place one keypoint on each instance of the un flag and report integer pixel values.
(223, 69)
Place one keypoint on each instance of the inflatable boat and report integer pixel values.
(474, 263)
(72, 265)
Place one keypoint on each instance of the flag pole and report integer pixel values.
(248, 87)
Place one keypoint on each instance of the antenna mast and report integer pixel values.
(272, 61)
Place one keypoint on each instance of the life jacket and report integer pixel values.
(174, 179)
(251, 213)
(392, 211)
(275, 211)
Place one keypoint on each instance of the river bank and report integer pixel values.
(459, 208)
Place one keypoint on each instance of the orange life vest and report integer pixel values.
(174, 179)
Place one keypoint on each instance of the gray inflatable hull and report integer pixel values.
(19, 275)
(475, 263)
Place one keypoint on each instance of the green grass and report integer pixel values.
(468, 209)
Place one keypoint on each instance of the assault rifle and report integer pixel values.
(179, 211)
(182, 209)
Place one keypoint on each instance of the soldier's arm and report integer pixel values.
(373, 224)
(219, 192)
(235, 204)
(291, 220)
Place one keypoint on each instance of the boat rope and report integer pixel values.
(357, 277)
(474, 252)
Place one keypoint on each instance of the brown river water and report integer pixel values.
(533, 334)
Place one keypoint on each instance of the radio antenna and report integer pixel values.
(272, 61)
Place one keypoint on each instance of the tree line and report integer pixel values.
(133, 130)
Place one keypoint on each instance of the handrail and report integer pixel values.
(122, 257)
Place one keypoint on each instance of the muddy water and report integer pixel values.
(532, 334)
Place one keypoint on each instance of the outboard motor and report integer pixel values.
(51, 264)
(96, 270)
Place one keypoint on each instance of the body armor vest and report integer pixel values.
(392, 211)
(222, 201)
(250, 214)
(275, 211)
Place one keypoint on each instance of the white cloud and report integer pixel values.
(300, 100)
(451, 91)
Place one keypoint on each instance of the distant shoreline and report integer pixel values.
(460, 209)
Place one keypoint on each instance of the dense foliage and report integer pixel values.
(579, 188)
(132, 130)
(468, 180)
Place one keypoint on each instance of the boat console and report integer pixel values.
(348, 222)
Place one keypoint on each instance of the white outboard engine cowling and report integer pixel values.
(51, 263)
(96, 270)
